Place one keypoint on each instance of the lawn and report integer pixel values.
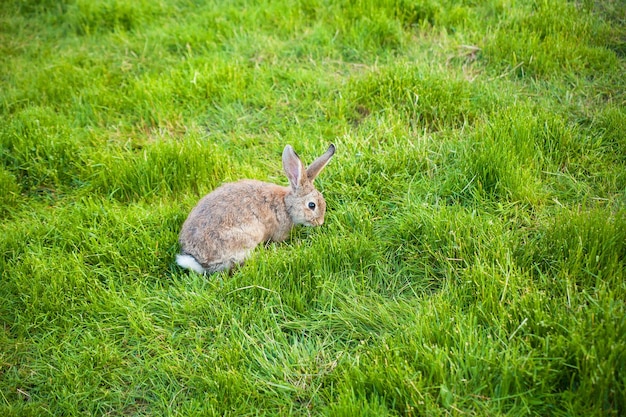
(473, 258)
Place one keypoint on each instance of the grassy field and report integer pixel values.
(474, 252)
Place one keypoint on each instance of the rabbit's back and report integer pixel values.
(232, 220)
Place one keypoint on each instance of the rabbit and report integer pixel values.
(228, 223)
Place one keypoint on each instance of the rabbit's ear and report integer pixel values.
(294, 169)
(317, 165)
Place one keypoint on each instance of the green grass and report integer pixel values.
(473, 260)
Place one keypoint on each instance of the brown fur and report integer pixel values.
(231, 221)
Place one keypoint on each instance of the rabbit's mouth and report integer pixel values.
(316, 222)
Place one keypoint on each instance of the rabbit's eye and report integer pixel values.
(312, 205)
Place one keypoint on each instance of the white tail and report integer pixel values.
(189, 262)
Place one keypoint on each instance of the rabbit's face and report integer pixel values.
(307, 210)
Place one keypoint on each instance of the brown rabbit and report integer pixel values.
(228, 223)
